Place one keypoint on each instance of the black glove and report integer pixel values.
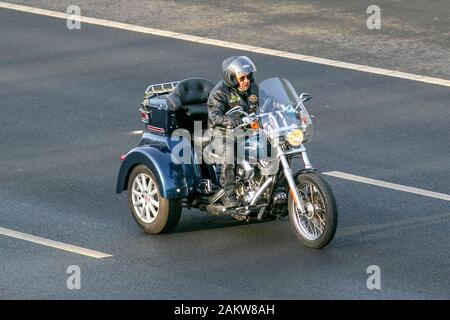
(233, 121)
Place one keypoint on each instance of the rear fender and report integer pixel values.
(170, 176)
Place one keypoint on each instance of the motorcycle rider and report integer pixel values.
(237, 88)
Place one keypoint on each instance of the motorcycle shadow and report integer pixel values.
(195, 220)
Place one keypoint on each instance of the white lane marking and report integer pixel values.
(388, 185)
(53, 244)
(227, 44)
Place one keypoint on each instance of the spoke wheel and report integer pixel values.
(313, 222)
(317, 226)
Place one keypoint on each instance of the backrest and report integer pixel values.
(188, 92)
(188, 100)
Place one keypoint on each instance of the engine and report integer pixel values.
(254, 170)
(248, 181)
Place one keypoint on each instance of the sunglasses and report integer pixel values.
(242, 78)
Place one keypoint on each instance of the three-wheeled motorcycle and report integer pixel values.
(174, 166)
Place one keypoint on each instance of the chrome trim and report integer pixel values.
(305, 158)
(247, 212)
(248, 170)
(205, 186)
(214, 198)
(279, 197)
(292, 185)
(293, 151)
(160, 88)
(260, 213)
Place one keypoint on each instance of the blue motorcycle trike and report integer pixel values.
(173, 167)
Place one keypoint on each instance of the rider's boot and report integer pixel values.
(227, 180)
(229, 198)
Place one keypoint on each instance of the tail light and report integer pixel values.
(144, 116)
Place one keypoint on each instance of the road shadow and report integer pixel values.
(195, 220)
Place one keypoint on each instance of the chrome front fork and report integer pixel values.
(290, 179)
(305, 158)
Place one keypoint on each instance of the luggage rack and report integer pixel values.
(155, 90)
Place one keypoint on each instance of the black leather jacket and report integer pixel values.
(223, 98)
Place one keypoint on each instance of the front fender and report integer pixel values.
(299, 172)
(282, 184)
(170, 176)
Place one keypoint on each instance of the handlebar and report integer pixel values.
(236, 109)
(246, 121)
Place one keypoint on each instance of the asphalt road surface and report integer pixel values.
(69, 100)
(413, 36)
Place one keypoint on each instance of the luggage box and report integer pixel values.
(155, 114)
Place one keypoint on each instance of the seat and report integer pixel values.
(196, 110)
(190, 94)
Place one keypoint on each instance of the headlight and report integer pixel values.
(295, 137)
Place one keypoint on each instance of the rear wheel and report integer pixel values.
(315, 228)
(153, 213)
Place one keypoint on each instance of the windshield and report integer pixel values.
(281, 109)
(275, 92)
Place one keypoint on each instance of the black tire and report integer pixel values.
(329, 211)
(169, 211)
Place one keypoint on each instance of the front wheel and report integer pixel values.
(317, 226)
(153, 213)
